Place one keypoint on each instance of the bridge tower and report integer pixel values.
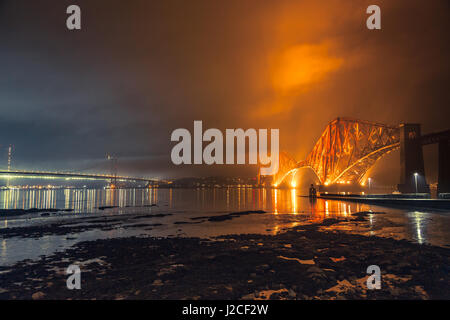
(9, 162)
(444, 166)
(412, 166)
(113, 161)
(9, 157)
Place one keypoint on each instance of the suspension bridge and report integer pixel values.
(113, 178)
(71, 176)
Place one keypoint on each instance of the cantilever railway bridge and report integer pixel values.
(348, 148)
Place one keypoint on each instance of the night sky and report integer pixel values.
(140, 69)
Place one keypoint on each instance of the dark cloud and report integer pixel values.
(139, 69)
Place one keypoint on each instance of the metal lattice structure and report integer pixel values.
(346, 150)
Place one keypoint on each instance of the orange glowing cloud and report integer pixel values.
(302, 65)
(294, 71)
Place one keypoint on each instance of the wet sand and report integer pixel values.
(311, 261)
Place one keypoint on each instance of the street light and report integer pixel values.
(415, 178)
(370, 180)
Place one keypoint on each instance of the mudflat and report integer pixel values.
(301, 263)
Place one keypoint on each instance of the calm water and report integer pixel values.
(285, 209)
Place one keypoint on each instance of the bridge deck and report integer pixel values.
(71, 175)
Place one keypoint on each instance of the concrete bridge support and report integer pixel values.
(411, 160)
(444, 166)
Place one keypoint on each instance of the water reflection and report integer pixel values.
(79, 200)
(282, 206)
(276, 201)
(294, 201)
(419, 222)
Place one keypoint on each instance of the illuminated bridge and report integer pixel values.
(348, 148)
(7, 174)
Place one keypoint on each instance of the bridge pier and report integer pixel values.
(412, 168)
(444, 166)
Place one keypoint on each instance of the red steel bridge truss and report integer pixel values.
(345, 151)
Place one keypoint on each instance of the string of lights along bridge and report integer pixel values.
(69, 175)
(113, 178)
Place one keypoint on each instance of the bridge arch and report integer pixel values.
(344, 152)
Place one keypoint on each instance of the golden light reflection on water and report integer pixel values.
(275, 209)
(276, 201)
(294, 201)
(79, 200)
(284, 205)
(419, 220)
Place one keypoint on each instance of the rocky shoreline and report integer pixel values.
(22, 212)
(302, 263)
